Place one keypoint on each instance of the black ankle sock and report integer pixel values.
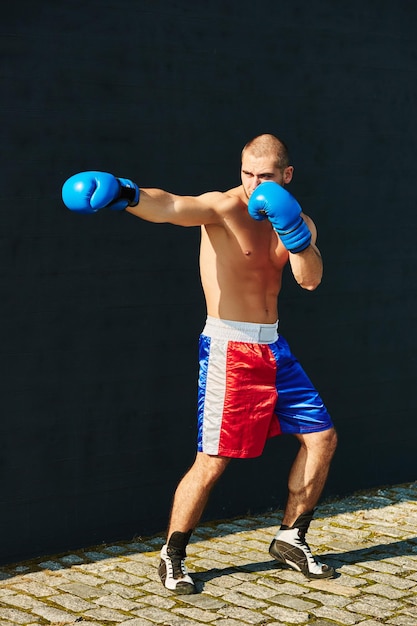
(302, 521)
(179, 540)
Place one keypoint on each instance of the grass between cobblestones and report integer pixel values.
(370, 537)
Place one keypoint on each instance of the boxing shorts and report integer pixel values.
(251, 388)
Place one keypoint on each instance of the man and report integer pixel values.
(250, 386)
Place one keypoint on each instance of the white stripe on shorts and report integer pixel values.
(215, 395)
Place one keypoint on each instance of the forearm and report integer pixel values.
(155, 205)
(307, 267)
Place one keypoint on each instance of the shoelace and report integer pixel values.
(306, 549)
(175, 562)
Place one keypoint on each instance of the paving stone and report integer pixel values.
(32, 587)
(125, 578)
(242, 600)
(289, 588)
(328, 599)
(14, 616)
(401, 620)
(79, 575)
(51, 614)
(122, 590)
(338, 615)
(71, 559)
(245, 615)
(136, 621)
(337, 587)
(287, 616)
(72, 603)
(370, 538)
(371, 622)
(20, 601)
(256, 590)
(197, 614)
(81, 590)
(114, 601)
(51, 565)
(391, 580)
(386, 591)
(228, 622)
(369, 610)
(167, 618)
(411, 611)
(106, 615)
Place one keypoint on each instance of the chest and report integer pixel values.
(246, 242)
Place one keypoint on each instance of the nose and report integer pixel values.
(254, 183)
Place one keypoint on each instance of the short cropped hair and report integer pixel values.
(265, 145)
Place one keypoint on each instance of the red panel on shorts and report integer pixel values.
(250, 399)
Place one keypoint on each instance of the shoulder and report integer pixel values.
(214, 207)
(224, 201)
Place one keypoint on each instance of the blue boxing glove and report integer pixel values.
(88, 192)
(270, 200)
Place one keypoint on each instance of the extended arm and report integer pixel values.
(89, 192)
(161, 206)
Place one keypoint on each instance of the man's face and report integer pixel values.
(256, 170)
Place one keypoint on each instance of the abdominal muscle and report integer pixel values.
(242, 277)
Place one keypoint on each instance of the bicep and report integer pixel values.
(195, 210)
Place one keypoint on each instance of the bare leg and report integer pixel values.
(189, 502)
(193, 492)
(305, 485)
(309, 473)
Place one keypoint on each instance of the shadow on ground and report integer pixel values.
(361, 501)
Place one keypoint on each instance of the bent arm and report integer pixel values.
(307, 266)
(159, 206)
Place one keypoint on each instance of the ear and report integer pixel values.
(288, 174)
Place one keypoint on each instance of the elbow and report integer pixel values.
(311, 284)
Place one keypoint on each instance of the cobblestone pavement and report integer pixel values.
(370, 537)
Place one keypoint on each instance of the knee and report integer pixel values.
(330, 442)
(322, 444)
(209, 468)
(334, 438)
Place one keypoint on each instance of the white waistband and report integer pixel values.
(240, 331)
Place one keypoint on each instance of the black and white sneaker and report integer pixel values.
(173, 573)
(291, 548)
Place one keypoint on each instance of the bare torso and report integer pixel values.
(241, 264)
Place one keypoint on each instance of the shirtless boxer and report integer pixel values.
(250, 385)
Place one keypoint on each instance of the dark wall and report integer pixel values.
(100, 314)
